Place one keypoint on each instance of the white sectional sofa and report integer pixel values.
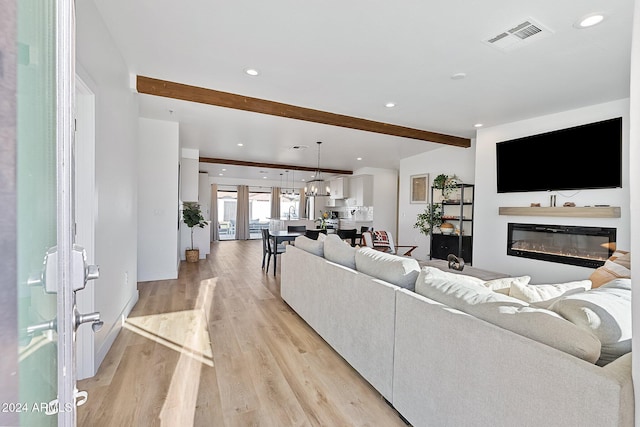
(438, 365)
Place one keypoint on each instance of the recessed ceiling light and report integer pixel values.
(264, 177)
(359, 158)
(313, 176)
(478, 125)
(252, 71)
(458, 76)
(220, 174)
(303, 180)
(589, 20)
(240, 144)
(224, 170)
(390, 104)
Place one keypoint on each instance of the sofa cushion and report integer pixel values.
(504, 284)
(540, 325)
(618, 266)
(606, 312)
(536, 293)
(456, 290)
(397, 270)
(471, 296)
(338, 251)
(315, 247)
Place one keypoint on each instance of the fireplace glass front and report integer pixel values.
(583, 246)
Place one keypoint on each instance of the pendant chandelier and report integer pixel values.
(317, 186)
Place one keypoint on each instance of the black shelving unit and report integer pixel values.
(457, 209)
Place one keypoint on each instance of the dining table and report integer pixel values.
(279, 236)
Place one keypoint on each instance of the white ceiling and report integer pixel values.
(352, 57)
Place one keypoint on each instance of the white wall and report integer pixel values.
(204, 195)
(447, 160)
(634, 183)
(189, 175)
(385, 196)
(491, 229)
(158, 200)
(116, 175)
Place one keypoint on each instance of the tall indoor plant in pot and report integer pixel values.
(429, 219)
(192, 216)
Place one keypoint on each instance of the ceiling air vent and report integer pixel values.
(519, 35)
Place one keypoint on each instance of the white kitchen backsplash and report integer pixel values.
(363, 213)
(355, 213)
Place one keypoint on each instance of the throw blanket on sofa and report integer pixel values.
(380, 239)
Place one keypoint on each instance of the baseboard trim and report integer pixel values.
(115, 330)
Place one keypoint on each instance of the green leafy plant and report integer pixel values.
(192, 216)
(445, 183)
(430, 218)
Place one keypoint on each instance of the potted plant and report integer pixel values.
(445, 183)
(430, 218)
(322, 220)
(192, 216)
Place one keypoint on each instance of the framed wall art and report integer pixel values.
(419, 188)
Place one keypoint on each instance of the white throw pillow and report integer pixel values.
(397, 270)
(502, 285)
(604, 311)
(457, 290)
(338, 251)
(315, 247)
(537, 293)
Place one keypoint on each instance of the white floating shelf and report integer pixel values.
(583, 212)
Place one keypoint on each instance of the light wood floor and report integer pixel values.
(219, 347)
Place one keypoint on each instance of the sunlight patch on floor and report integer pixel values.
(183, 331)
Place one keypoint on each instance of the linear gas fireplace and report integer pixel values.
(583, 246)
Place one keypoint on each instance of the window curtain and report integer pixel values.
(275, 203)
(302, 208)
(215, 235)
(242, 213)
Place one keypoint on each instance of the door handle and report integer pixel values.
(83, 272)
(93, 318)
(26, 335)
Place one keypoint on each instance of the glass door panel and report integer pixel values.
(227, 206)
(36, 209)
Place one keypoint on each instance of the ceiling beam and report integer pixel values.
(167, 89)
(272, 166)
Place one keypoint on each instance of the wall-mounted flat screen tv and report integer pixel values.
(581, 157)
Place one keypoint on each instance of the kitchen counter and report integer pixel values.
(282, 224)
(349, 224)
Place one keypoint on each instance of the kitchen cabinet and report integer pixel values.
(337, 188)
(360, 191)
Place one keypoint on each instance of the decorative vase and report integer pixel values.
(192, 255)
(447, 228)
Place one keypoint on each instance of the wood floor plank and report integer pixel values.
(219, 347)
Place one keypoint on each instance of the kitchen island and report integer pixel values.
(283, 223)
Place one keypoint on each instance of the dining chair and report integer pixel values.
(297, 228)
(267, 250)
(383, 241)
(312, 234)
(363, 229)
(348, 234)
